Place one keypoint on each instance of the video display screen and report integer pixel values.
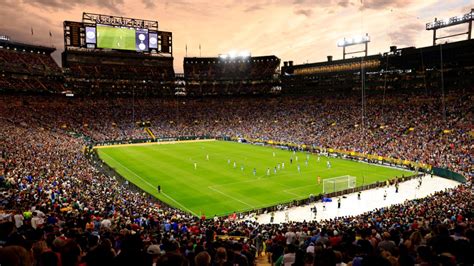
(90, 35)
(153, 40)
(141, 42)
(116, 38)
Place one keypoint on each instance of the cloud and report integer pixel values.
(220, 26)
(304, 12)
(382, 4)
(252, 8)
(111, 5)
(343, 3)
(149, 3)
(406, 34)
(364, 4)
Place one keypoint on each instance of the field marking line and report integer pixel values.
(264, 177)
(291, 193)
(152, 143)
(149, 184)
(229, 196)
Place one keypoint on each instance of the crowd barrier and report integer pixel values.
(446, 173)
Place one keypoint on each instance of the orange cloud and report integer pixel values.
(298, 30)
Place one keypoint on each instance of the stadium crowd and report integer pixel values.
(58, 209)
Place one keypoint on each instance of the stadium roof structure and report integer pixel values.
(221, 59)
(409, 57)
(9, 44)
(290, 69)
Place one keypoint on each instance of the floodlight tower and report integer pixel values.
(444, 23)
(356, 40)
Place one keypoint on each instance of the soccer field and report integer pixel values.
(216, 187)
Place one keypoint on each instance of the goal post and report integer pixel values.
(339, 183)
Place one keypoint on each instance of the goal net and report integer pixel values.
(339, 183)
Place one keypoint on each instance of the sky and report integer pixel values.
(298, 30)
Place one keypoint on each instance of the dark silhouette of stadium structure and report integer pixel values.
(90, 69)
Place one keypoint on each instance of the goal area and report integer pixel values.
(339, 183)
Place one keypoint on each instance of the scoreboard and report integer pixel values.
(117, 33)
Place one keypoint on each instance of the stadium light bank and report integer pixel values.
(355, 40)
(234, 55)
(449, 22)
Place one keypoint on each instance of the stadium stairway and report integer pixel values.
(150, 133)
(262, 260)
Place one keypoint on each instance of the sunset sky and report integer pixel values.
(298, 30)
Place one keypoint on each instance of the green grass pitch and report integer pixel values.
(215, 187)
(116, 38)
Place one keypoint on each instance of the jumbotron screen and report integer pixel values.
(122, 38)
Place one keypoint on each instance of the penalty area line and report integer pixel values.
(150, 185)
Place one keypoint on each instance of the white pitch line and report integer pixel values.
(229, 196)
(291, 193)
(149, 184)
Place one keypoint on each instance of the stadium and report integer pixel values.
(113, 157)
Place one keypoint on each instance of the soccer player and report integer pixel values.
(242, 168)
(228, 161)
(282, 165)
(299, 168)
(273, 154)
(254, 171)
(159, 189)
(319, 179)
(296, 158)
(307, 156)
(268, 171)
(328, 164)
(306, 163)
(275, 170)
(207, 157)
(278, 166)
(235, 165)
(291, 160)
(195, 165)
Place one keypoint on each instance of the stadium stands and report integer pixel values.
(25, 67)
(231, 76)
(99, 72)
(400, 69)
(62, 200)
(59, 206)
